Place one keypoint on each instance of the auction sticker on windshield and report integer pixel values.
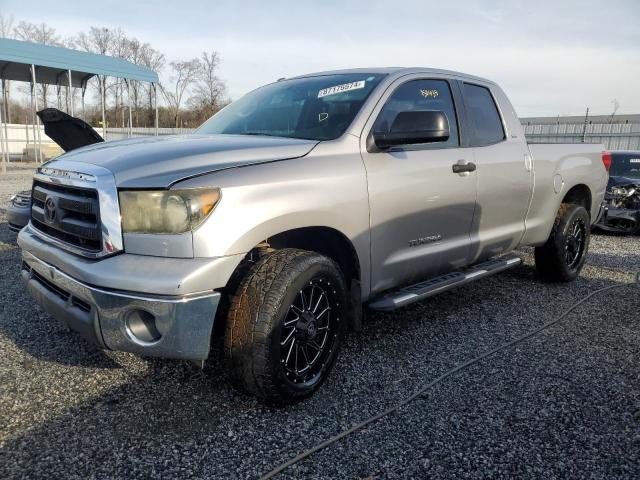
(345, 87)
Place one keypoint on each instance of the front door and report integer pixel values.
(421, 211)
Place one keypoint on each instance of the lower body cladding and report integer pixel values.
(163, 326)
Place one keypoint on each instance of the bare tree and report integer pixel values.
(153, 60)
(120, 49)
(134, 52)
(209, 92)
(142, 54)
(195, 90)
(96, 40)
(100, 41)
(6, 26)
(185, 73)
(43, 34)
(116, 43)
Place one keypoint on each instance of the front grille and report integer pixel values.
(70, 214)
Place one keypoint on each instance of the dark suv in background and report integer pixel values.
(622, 199)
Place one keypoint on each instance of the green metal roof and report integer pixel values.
(53, 63)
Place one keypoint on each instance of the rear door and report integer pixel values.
(420, 210)
(505, 175)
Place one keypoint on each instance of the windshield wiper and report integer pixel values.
(279, 136)
(263, 134)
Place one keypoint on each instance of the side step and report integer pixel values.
(429, 288)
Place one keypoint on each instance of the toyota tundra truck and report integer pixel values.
(294, 209)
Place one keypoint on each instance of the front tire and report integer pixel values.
(285, 325)
(561, 259)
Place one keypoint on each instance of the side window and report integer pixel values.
(419, 95)
(483, 115)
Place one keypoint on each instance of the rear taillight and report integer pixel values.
(606, 160)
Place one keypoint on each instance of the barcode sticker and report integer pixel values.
(345, 87)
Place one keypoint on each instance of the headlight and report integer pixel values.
(619, 191)
(166, 211)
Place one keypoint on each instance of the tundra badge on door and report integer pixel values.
(423, 240)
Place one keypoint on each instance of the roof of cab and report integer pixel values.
(397, 72)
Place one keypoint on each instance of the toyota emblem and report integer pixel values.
(50, 210)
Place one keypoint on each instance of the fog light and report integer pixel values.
(141, 327)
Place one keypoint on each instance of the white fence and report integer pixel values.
(21, 137)
(614, 136)
(120, 133)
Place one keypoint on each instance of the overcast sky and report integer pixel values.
(551, 57)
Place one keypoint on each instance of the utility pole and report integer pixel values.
(2, 150)
(584, 130)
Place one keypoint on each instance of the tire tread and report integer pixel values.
(549, 258)
(252, 311)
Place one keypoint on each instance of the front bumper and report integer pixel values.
(619, 220)
(144, 274)
(601, 211)
(170, 327)
(155, 306)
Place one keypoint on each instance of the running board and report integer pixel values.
(428, 288)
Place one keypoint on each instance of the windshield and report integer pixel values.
(625, 165)
(314, 108)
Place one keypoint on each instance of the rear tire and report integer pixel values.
(285, 325)
(561, 259)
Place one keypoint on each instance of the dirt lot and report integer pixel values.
(565, 403)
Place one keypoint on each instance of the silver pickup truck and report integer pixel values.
(292, 209)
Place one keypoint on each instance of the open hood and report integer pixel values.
(67, 131)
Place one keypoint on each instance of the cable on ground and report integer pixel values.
(463, 366)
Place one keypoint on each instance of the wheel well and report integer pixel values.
(324, 240)
(579, 195)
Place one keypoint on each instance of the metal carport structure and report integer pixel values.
(36, 63)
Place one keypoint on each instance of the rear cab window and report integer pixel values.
(421, 95)
(625, 165)
(483, 115)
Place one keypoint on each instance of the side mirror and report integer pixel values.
(426, 126)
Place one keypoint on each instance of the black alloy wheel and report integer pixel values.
(575, 242)
(564, 254)
(309, 331)
(285, 324)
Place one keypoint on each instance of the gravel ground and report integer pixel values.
(563, 404)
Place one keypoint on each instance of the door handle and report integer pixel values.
(463, 167)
